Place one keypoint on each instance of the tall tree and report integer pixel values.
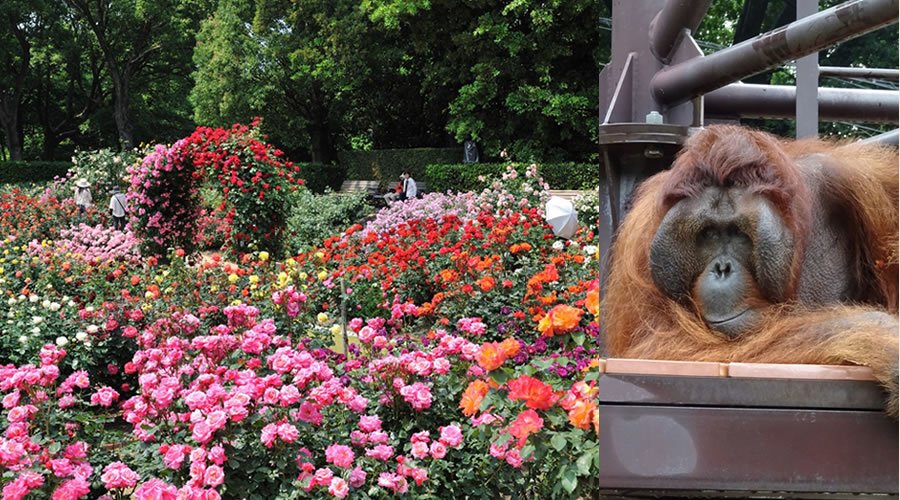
(129, 34)
(20, 22)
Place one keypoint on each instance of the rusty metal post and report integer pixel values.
(741, 100)
(670, 24)
(807, 107)
(688, 79)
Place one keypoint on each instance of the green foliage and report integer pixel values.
(318, 177)
(316, 217)
(32, 171)
(386, 165)
(465, 177)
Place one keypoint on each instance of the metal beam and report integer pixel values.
(807, 81)
(668, 27)
(879, 73)
(698, 76)
(778, 101)
(891, 138)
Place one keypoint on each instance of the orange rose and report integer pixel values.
(490, 356)
(472, 397)
(536, 394)
(510, 347)
(486, 284)
(528, 422)
(560, 319)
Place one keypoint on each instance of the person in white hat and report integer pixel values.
(83, 197)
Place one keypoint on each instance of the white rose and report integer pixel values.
(558, 245)
(36, 330)
(61, 341)
(55, 306)
(33, 298)
(23, 339)
(11, 301)
(92, 329)
(81, 336)
(46, 304)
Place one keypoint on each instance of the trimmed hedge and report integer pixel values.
(386, 165)
(464, 177)
(318, 176)
(12, 172)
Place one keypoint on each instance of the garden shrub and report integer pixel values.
(14, 172)
(386, 165)
(472, 177)
(316, 217)
(103, 168)
(319, 177)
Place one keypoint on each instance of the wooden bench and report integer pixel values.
(358, 186)
(568, 194)
(715, 430)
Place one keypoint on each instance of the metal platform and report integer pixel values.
(745, 436)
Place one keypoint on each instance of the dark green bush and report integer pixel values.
(464, 177)
(319, 176)
(32, 171)
(315, 217)
(386, 165)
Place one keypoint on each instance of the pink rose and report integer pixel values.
(438, 450)
(451, 436)
(339, 455)
(338, 487)
(369, 423)
(118, 475)
(214, 476)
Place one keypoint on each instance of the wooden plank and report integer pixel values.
(683, 450)
(642, 389)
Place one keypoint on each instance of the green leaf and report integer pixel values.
(578, 337)
(526, 451)
(584, 464)
(558, 441)
(569, 480)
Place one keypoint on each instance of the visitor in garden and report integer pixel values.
(83, 197)
(394, 194)
(118, 207)
(409, 186)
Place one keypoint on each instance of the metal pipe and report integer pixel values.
(891, 138)
(879, 73)
(700, 75)
(778, 101)
(667, 27)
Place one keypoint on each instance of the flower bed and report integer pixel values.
(442, 352)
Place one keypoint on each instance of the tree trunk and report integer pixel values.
(120, 107)
(321, 146)
(9, 120)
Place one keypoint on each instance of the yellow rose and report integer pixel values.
(303, 276)
(148, 295)
(323, 275)
(232, 278)
(254, 279)
(335, 329)
(322, 317)
(263, 256)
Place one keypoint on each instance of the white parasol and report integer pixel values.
(561, 215)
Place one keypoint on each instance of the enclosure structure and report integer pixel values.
(697, 430)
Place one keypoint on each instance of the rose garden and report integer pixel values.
(219, 347)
